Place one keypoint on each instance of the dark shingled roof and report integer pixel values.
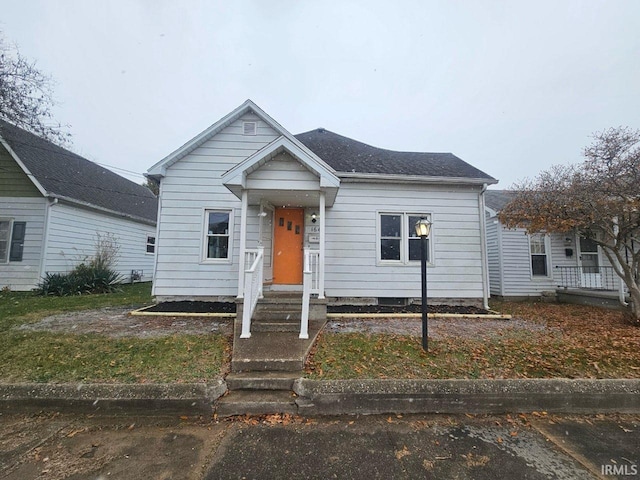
(350, 156)
(497, 199)
(64, 174)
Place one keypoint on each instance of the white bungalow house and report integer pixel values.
(55, 204)
(246, 206)
(527, 266)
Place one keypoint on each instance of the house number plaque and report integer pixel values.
(313, 229)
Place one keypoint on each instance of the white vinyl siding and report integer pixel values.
(494, 257)
(283, 173)
(352, 267)
(191, 185)
(25, 274)
(73, 233)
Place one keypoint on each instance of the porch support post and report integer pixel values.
(243, 242)
(322, 247)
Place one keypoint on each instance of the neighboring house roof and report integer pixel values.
(350, 156)
(497, 199)
(59, 173)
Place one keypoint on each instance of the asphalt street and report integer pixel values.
(531, 446)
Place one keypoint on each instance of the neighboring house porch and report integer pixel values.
(563, 266)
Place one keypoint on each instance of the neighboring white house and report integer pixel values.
(54, 205)
(522, 265)
(246, 185)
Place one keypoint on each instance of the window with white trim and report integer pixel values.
(398, 242)
(217, 234)
(5, 239)
(151, 244)
(539, 257)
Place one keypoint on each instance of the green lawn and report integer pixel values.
(57, 357)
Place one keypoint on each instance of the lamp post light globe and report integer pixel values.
(423, 229)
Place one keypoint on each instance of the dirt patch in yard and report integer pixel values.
(438, 327)
(116, 322)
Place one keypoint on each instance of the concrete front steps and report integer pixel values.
(258, 393)
(264, 366)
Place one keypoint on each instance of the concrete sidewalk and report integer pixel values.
(539, 446)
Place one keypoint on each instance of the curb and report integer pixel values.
(143, 399)
(341, 397)
(585, 396)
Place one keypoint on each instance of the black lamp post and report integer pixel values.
(423, 228)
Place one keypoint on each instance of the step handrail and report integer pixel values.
(310, 285)
(253, 278)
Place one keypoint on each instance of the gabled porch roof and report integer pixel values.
(236, 178)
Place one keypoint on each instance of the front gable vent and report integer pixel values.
(249, 128)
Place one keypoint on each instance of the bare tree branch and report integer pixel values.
(26, 97)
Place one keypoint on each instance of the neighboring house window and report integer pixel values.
(5, 231)
(398, 240)
(217, 237)
(538, 247)
(151, 244)
(17, 241)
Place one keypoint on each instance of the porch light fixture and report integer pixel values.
(314, 218)
(423, 228)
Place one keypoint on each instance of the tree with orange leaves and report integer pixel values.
(599, 199)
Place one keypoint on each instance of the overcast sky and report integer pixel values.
(511, 87)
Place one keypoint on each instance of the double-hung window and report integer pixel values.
(398, 242)
(538, 248)
(12, 236)
(218, 225)
(151, 244)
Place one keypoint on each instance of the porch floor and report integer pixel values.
(272, 351)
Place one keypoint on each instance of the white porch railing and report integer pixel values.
(253, 276)
(310, 286)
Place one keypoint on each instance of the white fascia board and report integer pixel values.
(160, 168)
(388, 178)
(24, 168)
(282, 143)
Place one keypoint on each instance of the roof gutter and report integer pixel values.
(353, 177)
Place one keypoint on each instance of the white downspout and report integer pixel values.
(483, 249)
(155, 253)
(45, 236)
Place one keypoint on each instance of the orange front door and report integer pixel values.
(287, 246)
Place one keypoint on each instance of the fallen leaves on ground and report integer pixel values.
(576, 342)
